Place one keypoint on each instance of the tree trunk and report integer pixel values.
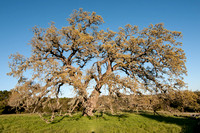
(91, 103)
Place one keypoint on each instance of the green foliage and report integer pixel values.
(184, 101)
(4, 96)
(120, 123)
(198, 96)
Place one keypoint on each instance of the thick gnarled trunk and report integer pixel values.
(91, 103)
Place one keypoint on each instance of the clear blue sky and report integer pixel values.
(17, 17)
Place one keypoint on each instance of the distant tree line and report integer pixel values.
(4, 107)
(174, 101)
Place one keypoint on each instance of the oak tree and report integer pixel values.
(86, 57)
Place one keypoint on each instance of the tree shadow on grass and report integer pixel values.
(121, 117)
(98, 117)
(69, 118)
(79, 116)
(188, 125)
(59, 119)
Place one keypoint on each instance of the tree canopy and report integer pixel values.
(128, 60)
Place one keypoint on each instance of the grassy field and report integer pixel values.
(122, 123)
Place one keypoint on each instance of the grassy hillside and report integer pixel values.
(122, 123)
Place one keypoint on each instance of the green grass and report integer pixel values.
(122, 123)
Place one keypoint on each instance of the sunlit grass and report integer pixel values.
(121, 123)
